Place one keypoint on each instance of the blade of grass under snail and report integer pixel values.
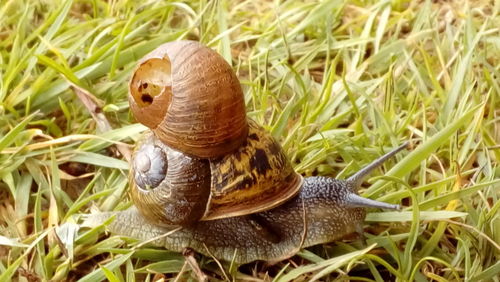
(324, 267)
(99, 274)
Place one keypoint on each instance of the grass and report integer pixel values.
(337, 82)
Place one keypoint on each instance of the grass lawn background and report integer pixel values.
(337, 82)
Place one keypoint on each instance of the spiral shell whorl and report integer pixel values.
(191, 99)
(168, 187)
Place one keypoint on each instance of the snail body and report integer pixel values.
(324, 210)
(215, 177)
(308, 219)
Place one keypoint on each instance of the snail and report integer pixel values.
(211, 179)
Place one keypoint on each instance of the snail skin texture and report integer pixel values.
(222, 186)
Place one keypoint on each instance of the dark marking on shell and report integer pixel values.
(146, 98)
(256, 177)
(289, 177)
(260, 162)
(245, 183)
(238, 156)
(254, 136)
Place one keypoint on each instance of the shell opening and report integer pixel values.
(153, 78)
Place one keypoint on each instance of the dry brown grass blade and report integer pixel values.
(191, 260)
(92, 104)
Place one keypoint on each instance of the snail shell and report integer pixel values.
(170, 187)
(205, 160)
(189, 96)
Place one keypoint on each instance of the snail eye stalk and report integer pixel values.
(359, 176)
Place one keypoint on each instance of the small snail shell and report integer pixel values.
(189, 96)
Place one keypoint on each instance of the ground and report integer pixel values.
(337, 82)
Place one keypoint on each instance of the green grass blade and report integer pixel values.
(414, 158)
(100, 274)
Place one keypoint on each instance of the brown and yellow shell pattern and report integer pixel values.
(257, 177)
